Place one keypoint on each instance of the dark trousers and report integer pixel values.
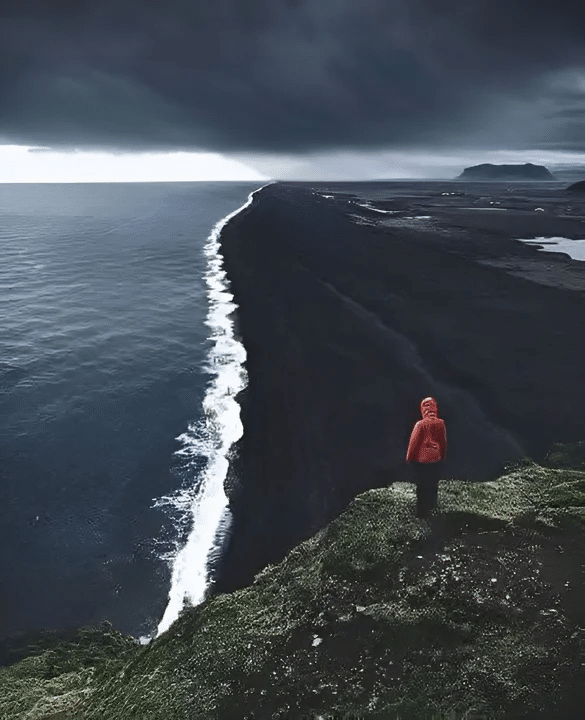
(427, 477)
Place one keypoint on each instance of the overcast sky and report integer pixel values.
(288, 86)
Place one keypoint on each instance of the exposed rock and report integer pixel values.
(487, 171)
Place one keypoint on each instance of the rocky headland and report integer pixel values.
(489, 172)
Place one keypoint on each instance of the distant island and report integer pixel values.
(578, 187)
(487, 171)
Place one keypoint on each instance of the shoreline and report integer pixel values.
(347, 324)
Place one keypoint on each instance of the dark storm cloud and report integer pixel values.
(283, 75)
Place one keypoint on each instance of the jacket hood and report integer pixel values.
(429, 400)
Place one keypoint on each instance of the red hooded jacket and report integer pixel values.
(428, 440)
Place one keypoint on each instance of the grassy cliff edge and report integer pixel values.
(476, 613)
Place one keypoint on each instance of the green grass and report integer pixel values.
(475, 613)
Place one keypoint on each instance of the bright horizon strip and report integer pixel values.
(33, 164)
(42, 165)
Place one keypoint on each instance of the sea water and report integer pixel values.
(114, 317)
(575, 249)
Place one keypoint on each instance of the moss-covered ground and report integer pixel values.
(476, 613)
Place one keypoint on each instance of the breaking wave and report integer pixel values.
(201, 509)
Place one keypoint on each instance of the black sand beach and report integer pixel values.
(357, 300)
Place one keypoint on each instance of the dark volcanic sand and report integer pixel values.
(350, 316)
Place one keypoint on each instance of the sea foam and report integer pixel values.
(201, 508)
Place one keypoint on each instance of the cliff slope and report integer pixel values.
(477, 613)
(578, 187)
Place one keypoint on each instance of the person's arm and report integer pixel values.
(443, 441)
(415, 438)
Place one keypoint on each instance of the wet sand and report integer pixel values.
(357, 300)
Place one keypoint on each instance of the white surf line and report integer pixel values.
(369, 207)
(203, 506)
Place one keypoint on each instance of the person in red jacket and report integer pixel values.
(427, 448)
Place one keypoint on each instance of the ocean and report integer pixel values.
(118, 370)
